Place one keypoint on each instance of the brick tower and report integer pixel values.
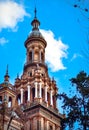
(34, 93)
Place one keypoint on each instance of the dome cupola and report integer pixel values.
(35, 33)
(35, 23)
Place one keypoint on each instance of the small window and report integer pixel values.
(30, 56)
(30, 74)
(19, 99)
(33, 93)
(36, 56)
(42, 57)
(48, 98)
(10, 102)
(0, 99)
(42, 74)
(26, 96)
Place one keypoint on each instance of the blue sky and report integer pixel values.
(64, 28)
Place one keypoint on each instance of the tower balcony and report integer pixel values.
(36, 64)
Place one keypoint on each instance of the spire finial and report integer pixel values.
(35, 23)
(7, 70)
(35, 11)
(6, 75)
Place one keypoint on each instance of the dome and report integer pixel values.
(36, 33)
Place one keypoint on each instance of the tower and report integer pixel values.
(7, 104)
(7, 92)
(33, 96)
(36, 89)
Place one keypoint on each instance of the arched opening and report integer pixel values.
(48, 98)
(42, 94)
(30, 73)
(30, 56)
(0, 99)
(10, 102)
(19, 98)
(36, 56)
(42, 57)
(54, 101)
(26, 96)
(33, 93)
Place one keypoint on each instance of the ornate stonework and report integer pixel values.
(30, 104)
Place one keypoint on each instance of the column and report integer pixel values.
(47, 125)
(36, 89)
(45, 93)
(28, 92)
(51, 99)
(42, 123)
(40, 90)
(21, 95)
(54, 128)
(40, 55)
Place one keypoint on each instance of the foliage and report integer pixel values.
(82, 6)
(77, 106)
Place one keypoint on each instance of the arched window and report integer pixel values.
(26, 96)
(42, 57)
(33, 93)
(0, 99)
(42, 93)
(19, 98)
(54, 101)
(30, 74)
(48, 98)
(36, 55)
(30, 56)
(10, 102)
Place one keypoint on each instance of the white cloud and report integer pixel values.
(56, 50)
(76, 55)
(3, 41)
(10, 14)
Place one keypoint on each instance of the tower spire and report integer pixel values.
(7, 70)
(35, 23)
(35, 11)
(6, 77)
